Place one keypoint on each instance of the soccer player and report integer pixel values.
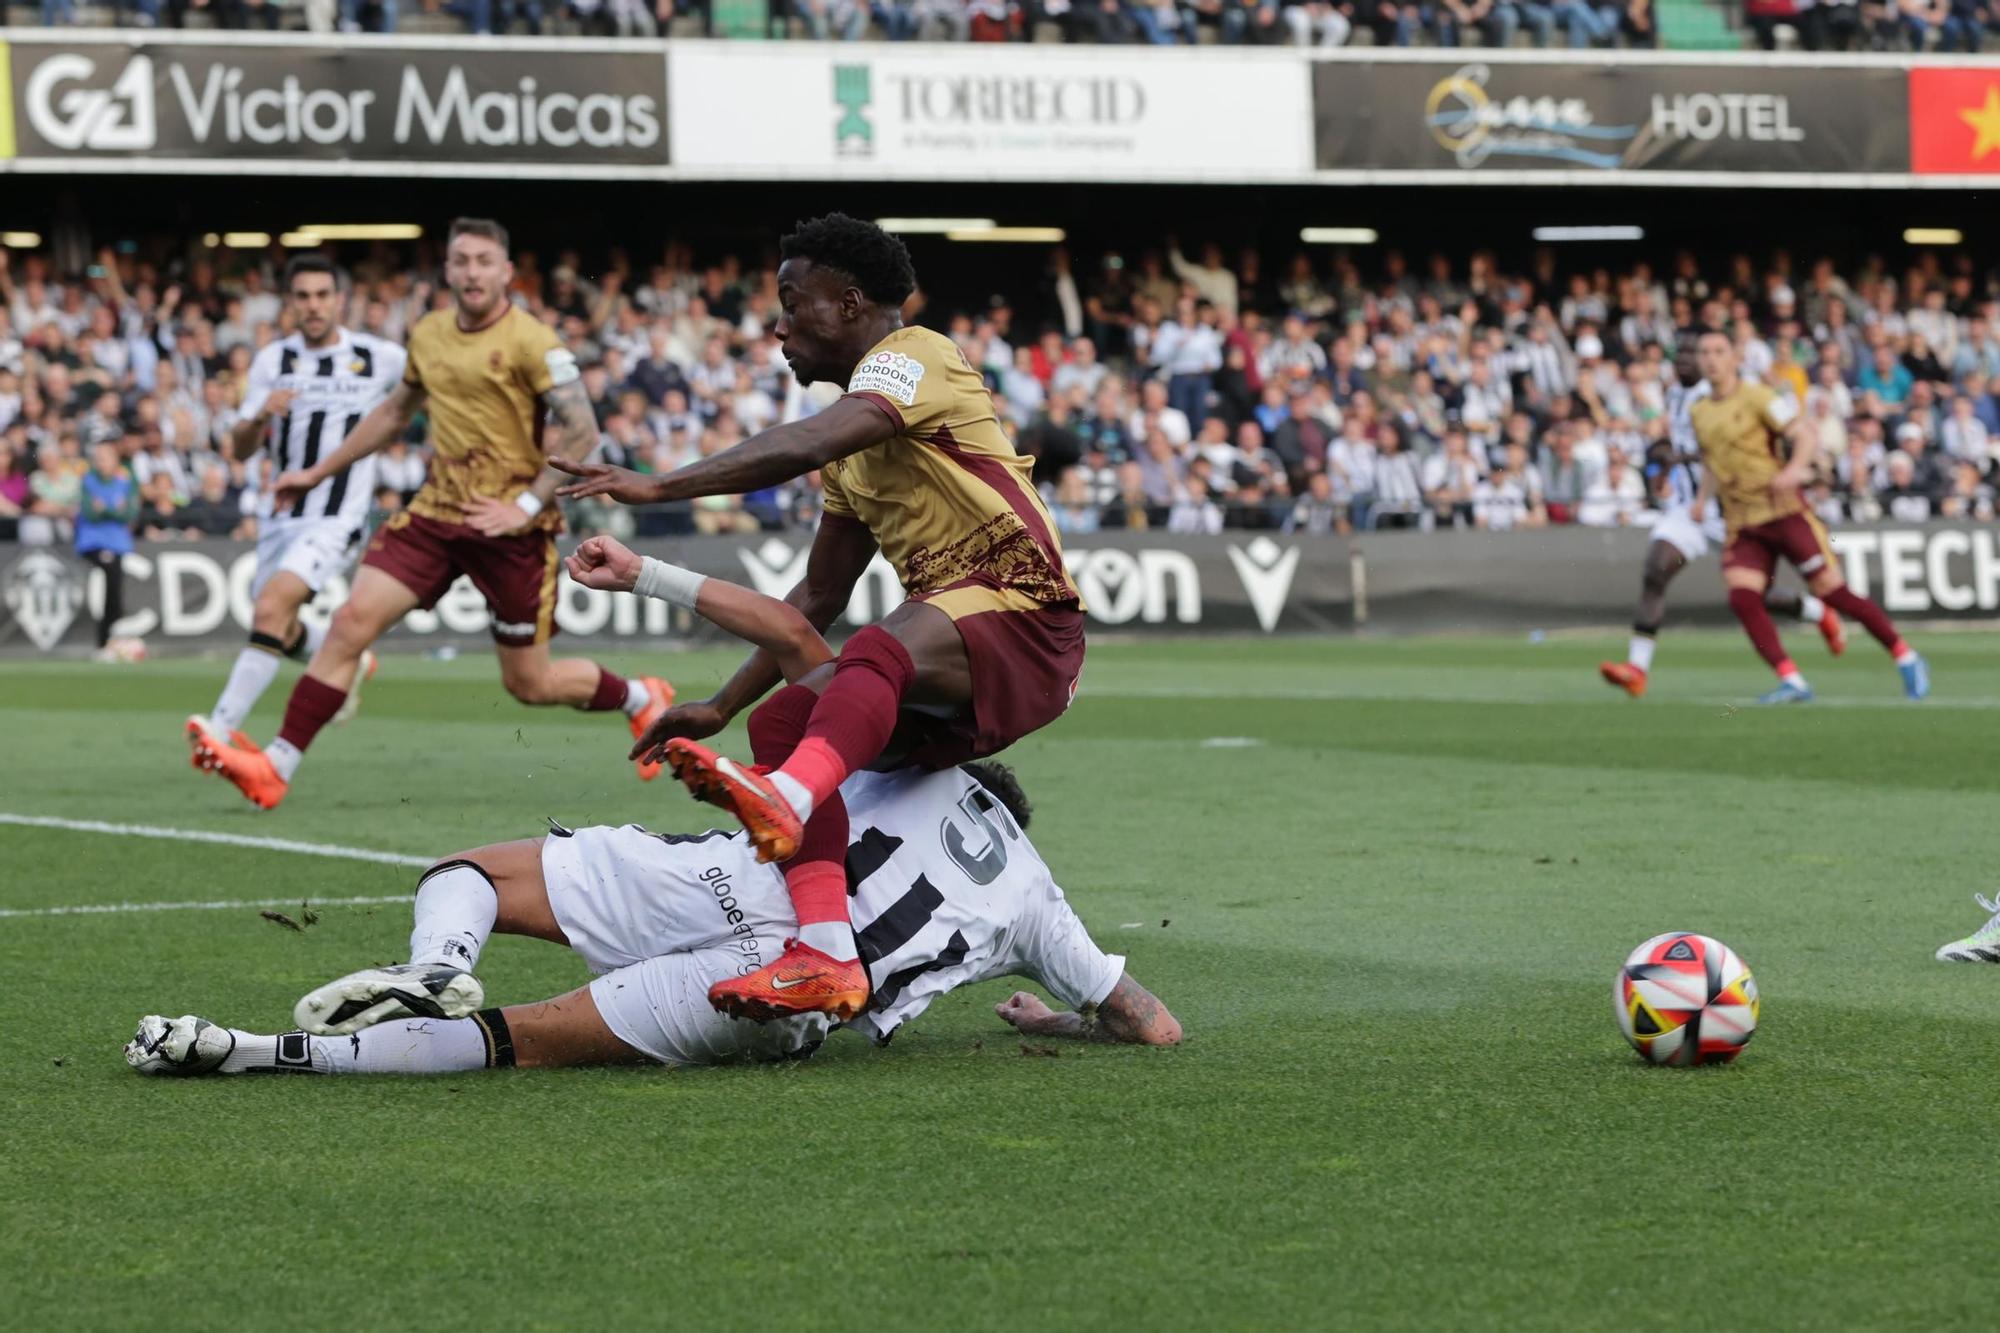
(1684, 533)
(306, 392)
(486, 372)
(947, 888)
(987, 648)
(1741, 428)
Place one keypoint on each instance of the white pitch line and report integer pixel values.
(330, 850)
(226, 839)
(98, 909)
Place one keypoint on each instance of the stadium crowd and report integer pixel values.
(1335, 391)
(1573, 23)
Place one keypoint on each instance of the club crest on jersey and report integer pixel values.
(890, 374)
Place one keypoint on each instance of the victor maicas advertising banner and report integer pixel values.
(1474, 116)
(307, 101)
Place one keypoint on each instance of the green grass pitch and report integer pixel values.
(1388, 910)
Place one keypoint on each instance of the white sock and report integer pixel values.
(284, 757)
(253, 673)
(1795, 680)
(401, 1046)
(796, 796)
(637, 696)
(835, 939)
(1907, 656)
(454, 915)
(1640, 653)
(1811, 609)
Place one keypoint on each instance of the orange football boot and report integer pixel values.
(802, 981)
(243, 764)
(1625, 676)
(660, 697)
(1833, 632)
(765, 814)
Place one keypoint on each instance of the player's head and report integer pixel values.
(999, 779)
(842, 279)
(1687, 367)
(312, 287)
(1715, 355)
(476, 266)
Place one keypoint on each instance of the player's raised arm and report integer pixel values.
(768, 458)
(776, 627)
(1130, 1014)
(841, 550)
(378, 430)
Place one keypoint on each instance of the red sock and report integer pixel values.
(610, 693)
(778, 724)
(312, 706)
(1749, 609)
(817, 876)
(853, 721)
(1872, 618)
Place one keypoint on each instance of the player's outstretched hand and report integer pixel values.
(290, 487)
(1024, 1011)
(494, 518)
(604, 563)
(621, 484)
(690, 721)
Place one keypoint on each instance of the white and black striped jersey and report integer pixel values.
(948, 891)
(1684, 476)
(332, 388)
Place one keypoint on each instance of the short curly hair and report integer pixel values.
(1005, 787)
(878, 263)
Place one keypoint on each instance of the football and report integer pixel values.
(1686, 999)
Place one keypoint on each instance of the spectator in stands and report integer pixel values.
(1884, 379)
(1617, 498)
(1399, 493)
(1494, 21)
(1906, 499)
(1910, 21)
(1327, 22)
(1970, 497)
(1450, 480)
(214, 512)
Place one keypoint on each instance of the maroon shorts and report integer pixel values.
(1799, 538)
(1025, 658)
(516, 574)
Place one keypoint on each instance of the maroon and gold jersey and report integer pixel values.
(484, 394)
(1742, 441)
(947, 497)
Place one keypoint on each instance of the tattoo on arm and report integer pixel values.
(575, 426)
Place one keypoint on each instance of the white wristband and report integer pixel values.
(528, 503)
(670, 583)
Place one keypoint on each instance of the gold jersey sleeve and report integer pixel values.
(1742, 441)
(947, 497)
(483, 394)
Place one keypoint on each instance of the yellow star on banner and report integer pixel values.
(1985, 122)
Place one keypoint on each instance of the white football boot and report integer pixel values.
(1982, 945)
(178, 1046)
(378, 994)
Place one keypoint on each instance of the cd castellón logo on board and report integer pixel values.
(1472, 125)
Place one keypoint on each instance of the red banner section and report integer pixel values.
(1955, 122)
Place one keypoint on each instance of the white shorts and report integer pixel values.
(314, 549)
(1679, 528)
(662, 917)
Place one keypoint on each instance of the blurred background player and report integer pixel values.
(1742, 428)
(306, 393)
(1685, 531)
(486, 371)
(987, 648)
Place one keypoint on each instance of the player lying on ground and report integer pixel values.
(947, 891)
(305, 390)
(1684, 533)
(486, 372)
(987, 648)
(1740, 427)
